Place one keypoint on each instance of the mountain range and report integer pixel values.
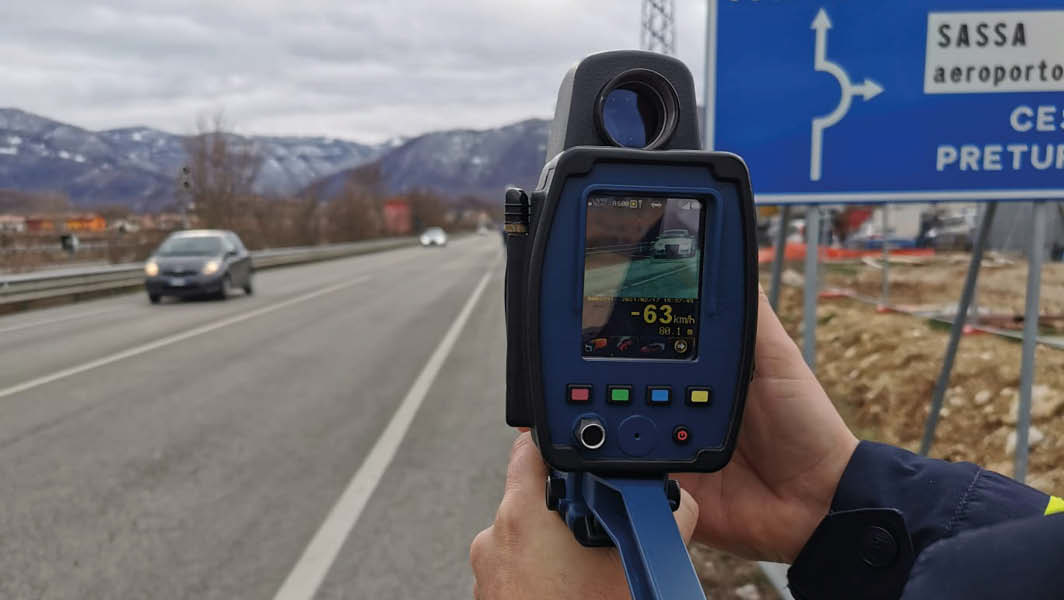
(460, 162)
(137, 166)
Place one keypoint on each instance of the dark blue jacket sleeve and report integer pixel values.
(1015, 559)
(890, 507)
(937, 498)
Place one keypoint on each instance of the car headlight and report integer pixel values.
(211, 267)
(151, 268)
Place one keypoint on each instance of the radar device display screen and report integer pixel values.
(642, 269)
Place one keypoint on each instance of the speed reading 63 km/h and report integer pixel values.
(662, 313)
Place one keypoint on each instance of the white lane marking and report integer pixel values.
(309, 572)
(652, 278)
(173, 339)
(59, 320)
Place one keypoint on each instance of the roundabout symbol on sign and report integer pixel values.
(869, 89)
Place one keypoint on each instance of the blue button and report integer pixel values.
(660, 395)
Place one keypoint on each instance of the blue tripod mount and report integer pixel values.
(635, 515)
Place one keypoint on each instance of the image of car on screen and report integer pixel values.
(595, 345)
(653, 348)
(674, 243)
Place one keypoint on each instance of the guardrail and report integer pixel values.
(21, 290)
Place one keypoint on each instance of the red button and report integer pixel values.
(579, 394)
(680, 435)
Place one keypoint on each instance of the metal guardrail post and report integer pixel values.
(884, 295)
(781, 255)
(957, 328)
(812, 284)
(1030, 335)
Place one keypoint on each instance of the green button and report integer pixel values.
(619, 395)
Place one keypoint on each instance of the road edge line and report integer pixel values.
(309, 572)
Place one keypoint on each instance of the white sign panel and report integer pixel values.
(994, 51)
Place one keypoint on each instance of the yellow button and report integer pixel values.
(699, 396)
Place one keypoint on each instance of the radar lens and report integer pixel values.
(632, 115)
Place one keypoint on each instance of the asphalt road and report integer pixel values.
(196, 449)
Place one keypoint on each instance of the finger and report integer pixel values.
(769, 327)
(481, 550)
(686, 515)
(776, 354)
(526, 475)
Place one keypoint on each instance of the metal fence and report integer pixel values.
(21, 290)
(1036, 237)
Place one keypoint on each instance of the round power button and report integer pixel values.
(681, 435)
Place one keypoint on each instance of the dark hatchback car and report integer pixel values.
(204, 262)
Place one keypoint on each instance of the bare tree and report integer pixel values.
(427, 209)
(309, 218)
(33, 202)
(221, 171)
(357, 213)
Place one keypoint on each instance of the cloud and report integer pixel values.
(365, 69)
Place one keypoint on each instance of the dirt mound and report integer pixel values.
(880, 370)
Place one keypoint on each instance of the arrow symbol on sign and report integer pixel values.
(867, 90)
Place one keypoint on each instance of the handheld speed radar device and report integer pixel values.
(631, 298)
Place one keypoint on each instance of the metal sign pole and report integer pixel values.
(957, 327)
(812, 284)
(973, 311)
(777, 261)
(884, 295)
(1030, 335)
(708, 74)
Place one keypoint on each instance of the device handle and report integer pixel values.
(637, 516)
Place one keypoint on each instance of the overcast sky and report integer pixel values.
(361, 69)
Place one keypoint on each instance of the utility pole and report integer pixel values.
(184, 194)
(659, 26)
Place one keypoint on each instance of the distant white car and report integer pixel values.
(433, 236)
(674, 243)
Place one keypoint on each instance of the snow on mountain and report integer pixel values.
(136, 166)
(291, 163)
(461, 162)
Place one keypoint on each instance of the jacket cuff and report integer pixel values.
(890, 504)
(937, 498)
(863, 553)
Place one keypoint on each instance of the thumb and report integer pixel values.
(686, 516)
(776, 356)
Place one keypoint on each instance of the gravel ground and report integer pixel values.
(935, 282)
(880, 370)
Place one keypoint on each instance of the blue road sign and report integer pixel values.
(837, 101)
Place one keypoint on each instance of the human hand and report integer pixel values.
(792, 450)
(530, 553)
